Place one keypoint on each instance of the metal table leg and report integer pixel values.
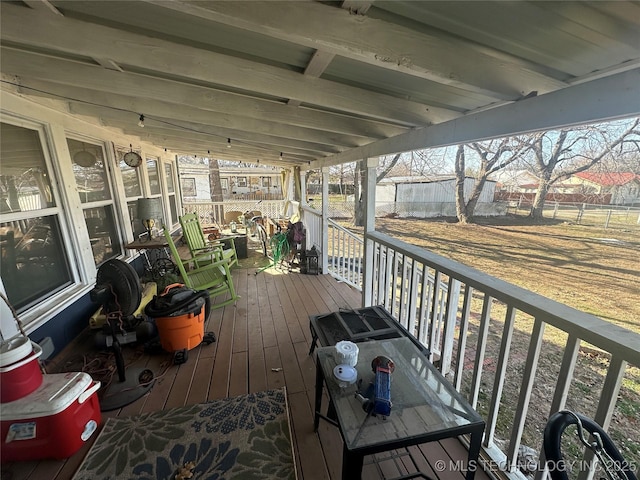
(474, 452)
(319, 380)
(351, 464)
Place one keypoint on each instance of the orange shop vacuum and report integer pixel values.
(180, 313)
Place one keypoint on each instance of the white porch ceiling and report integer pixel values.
(325, 82)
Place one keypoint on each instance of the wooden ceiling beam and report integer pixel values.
(32, 65)
(131, 50)
(432, 56)
(204, 132)
(180, 114)
(319, 62)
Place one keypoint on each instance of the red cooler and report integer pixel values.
(52, 422)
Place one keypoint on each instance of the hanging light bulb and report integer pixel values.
(280, 155)
(228, 143)
(141, 121)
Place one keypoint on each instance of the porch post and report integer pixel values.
(325, 220)
(289, 195)
(303, 190)
(369, 197)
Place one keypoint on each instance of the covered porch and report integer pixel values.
(263, 343)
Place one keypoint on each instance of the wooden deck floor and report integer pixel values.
(262, 342)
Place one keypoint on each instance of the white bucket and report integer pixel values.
(346, 353)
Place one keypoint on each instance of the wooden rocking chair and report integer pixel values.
(215, 277)
(206, 251)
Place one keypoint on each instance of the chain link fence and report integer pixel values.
(604, 216)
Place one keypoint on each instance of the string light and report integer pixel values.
(280, 155)
(141, 118)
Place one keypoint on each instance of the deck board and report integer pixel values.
(262, 342)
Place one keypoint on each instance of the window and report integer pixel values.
(34, 264)
(241, 182)
(131, 177)
(189, 187)
(266, 182)
(171, 193)
(154, 176)
(94, 189)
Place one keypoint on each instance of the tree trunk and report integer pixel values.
(215, 185)
(539, 200)
(461, 209)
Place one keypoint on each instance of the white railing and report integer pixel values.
(418, 299)
(399, 281)
(312, 220)
(478, 329)
(214, 211)
(345, 255)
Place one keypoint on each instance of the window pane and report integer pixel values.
(33, 263)
(90, 171)
(24, 179)
(137, 226)
(169, 173)
(130, 176)
(102, 233)
(173, 207)
(154, 177)
(189, 187)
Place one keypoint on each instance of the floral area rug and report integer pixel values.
(241, 438)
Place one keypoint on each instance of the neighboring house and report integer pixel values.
(194, 180)
(236, 182)
(239, 181)
(624, 188)
(515, 180)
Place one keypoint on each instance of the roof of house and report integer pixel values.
(609, 179)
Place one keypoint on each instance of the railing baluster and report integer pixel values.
(413, 298)
(606, 404)
(435, 303)
(394, 285)
(530, 367)
(450, 315)
(569, 359)
(423, 313)
(480, 349)
(404, 292)
(501, 369)
(462, 337)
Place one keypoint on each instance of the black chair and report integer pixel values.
(592, 437)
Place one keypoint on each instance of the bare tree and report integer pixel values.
(492, 156)
(559, 154)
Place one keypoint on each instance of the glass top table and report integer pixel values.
(425, 406)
